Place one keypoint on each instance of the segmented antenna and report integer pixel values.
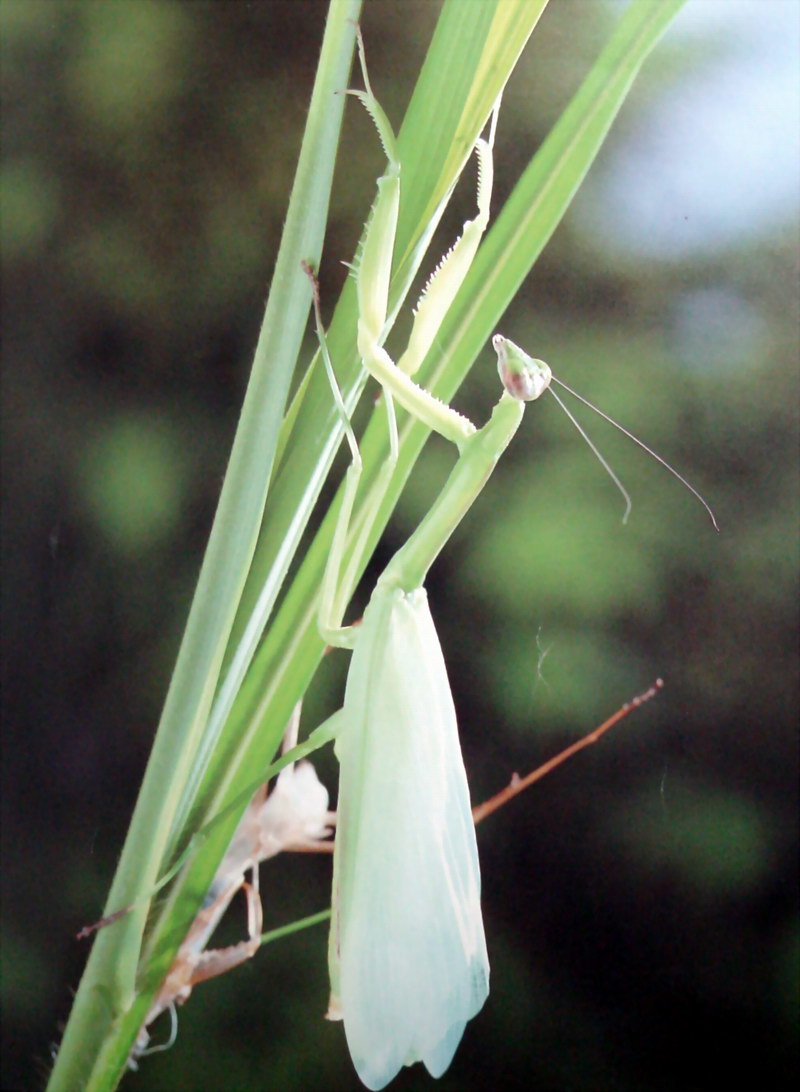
(636, 440)
(596, 452)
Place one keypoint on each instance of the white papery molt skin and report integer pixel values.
(407, 953)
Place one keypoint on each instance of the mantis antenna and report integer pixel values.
(527, 378)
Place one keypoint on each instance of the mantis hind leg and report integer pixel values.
(336, 593)
(331, 606)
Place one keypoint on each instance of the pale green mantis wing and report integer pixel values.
(407, 955)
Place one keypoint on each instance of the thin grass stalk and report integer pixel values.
(108, 988)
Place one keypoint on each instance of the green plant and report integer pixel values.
(248, 655)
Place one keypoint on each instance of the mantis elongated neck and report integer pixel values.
(478, 456)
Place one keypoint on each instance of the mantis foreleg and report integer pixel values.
(372, 270)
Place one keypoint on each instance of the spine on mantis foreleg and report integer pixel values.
(447, 278)
(436, 298)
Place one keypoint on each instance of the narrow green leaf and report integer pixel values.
(94, 1049)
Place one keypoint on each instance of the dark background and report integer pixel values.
(640, 904)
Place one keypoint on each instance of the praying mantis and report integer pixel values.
(407, 953)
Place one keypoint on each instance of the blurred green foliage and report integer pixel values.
(641, 904)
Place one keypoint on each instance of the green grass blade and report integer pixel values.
(543, 193)
(108, 986)
(452, 100)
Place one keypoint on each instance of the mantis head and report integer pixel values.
(524, 377)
